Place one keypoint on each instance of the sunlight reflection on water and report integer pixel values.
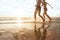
(19, 24)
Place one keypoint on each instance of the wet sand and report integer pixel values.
(27, 30)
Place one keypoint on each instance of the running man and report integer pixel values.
(38, 9)
(45, 9)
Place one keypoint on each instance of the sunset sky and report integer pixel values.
(25, 8)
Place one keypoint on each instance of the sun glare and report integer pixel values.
(26, 12)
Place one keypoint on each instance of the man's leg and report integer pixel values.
(44, 16)
(35, 14)
(39, 11)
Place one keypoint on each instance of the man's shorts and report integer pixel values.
(38, 7)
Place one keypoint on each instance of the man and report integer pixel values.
(38, 9)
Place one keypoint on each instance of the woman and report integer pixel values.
(45, 9)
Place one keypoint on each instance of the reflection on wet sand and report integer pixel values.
(37, 32)
(41, 32)
(29, 30)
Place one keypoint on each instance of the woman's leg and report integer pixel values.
(48, 16)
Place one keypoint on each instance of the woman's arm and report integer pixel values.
(36, 0)
(50, 5)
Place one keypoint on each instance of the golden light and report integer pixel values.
(19, 15)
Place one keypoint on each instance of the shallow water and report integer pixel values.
(28, 30)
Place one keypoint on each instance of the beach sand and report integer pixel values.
(28, 30)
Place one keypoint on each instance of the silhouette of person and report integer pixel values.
(44, 3)
(44, 33)
(38, 9)
(37, 32)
